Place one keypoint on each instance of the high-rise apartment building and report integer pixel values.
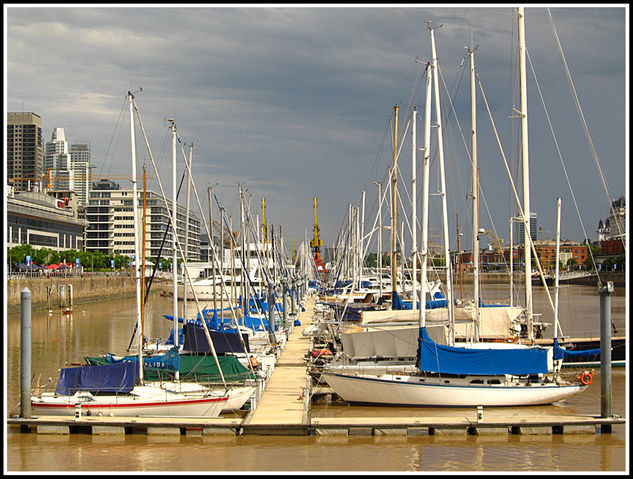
(533, 229)
(80, 164)
(25, 154)
(67, 169)
(56, 156)
(57, 170)
(110, 217)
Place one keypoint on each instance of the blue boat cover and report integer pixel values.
(439, 358)
(196, 341)
(110, 378)
(399, 304)
(224, 324)
(562, 353)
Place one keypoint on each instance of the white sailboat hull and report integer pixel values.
(404, 390)
(236, 395)
(142, 402)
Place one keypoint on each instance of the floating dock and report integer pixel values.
(284, 409)
(340, 426)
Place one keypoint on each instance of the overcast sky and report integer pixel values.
(296, 102)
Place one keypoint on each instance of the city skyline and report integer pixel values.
(295, 102)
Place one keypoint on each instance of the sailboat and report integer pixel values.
(475, 374)
(118, 389)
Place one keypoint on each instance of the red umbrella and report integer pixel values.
(52, 266)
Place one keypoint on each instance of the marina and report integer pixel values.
(328, 422)
(204, 337)
(284, 410)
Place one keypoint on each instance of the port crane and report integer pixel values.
(316, 244)
(496, 242)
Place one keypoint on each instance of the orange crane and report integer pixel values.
(317, 243)
(49, 176)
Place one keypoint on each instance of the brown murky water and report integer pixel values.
(59, 340)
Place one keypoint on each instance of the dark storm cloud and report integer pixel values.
(294, 102)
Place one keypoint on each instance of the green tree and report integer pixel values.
(439, 261)
(371, 260)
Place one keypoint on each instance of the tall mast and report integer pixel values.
(143, 250)
(440, 147)
(394, 202)
(245, 259)
(414, 225)
(136, 249)
(526, 176)
(212, 255)
(558, 202)
(475, 192)
(425, 195)
(379, 238)
(173, 238)
(185, 281)
(361, 239)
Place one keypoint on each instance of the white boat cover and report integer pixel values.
(495, 320)
(388, 341)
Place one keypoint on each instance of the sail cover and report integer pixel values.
(462, 360)
(110, 378)
(398, 303)
(170, 360)
(562, 353)
(196, 341)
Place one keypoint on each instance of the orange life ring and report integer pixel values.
(586, 378)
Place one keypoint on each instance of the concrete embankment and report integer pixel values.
(54, 292)
(493, 277)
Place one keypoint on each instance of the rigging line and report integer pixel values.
(560, 157)
(414, 95)
(460, 72)
(468, 154)
(514, 126)
(114, 131)
(481, 192)
(151, 279)
(175, 236)
(520, 208)
(586, 129)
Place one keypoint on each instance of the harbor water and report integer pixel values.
(63, 339)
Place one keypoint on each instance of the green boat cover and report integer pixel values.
(193, 368)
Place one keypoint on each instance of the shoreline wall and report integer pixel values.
(53, 292)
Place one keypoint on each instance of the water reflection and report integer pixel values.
(60, 339)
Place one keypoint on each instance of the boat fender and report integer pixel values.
(254, 362)
(585, 378)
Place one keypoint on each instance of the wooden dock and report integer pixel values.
(326, 426)
(284, 409)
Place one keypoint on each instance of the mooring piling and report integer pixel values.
(605, 354)
(25, 354)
